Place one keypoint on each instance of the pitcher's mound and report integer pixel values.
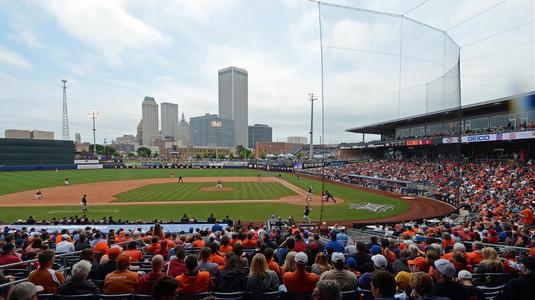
(213, 189)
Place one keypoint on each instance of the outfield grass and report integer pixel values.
(11, 182)
(193, 192)
(245, 212)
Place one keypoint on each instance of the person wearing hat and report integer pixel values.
(347, 279)
(443, 274)
(300, 281)
(418, 264)
(110, 265)
(379, 264)
(521, 288)
(64, 246)
(45, 276)
(121, 281)
(402, 282)
(25, 291)
(465, 278)
(8, 255)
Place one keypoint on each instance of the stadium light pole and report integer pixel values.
(93, 114)
(216, 124)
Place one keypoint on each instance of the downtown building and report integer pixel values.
(169, 112)
(211, 131)
(233, 101)
(149, 121)
(183, 133)
(259, 133)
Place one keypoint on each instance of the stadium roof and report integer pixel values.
(491, 106)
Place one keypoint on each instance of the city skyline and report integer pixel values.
(114, 53)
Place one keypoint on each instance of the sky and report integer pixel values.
(114, 53)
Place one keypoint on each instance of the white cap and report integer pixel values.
(463, 274)
(379, 261)
(337, 256)
(301, 258)
(65, 236)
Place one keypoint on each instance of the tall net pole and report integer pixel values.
(65, 112)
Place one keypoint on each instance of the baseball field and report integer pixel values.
(150, 194)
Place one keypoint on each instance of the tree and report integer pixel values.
(198, 156)
(262, 156)
(132, 154)
(231, 156)
(143, 152)
(109, 150)
(100, 148)
(299, 155)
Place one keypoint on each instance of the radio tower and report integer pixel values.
(65, 112)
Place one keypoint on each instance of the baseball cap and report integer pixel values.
(445, 267)
(379, 261)
(65, 237)
(114, 253)
(528, 262)
(123, 259)
(337, 256)
(351, 262)
(419, 261)
(375, 249)
(463, 274)
(402, 279)
(301, 258)
(25, 290)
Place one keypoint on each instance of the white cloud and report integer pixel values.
(105, 26)
(11, 58)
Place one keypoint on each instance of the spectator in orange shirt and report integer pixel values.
(121, 281)
(198, 242)
(110, 265)
(102, 247)
(215, 256)
(475, 257)
(225, 247)
(272, 264)
(147, 282)
(177, 266)
(155, 244)
(134, 254)
(527, 216)
(45, 276)
(300, 281)
(164, 250)
(193, 281)
(250, 242)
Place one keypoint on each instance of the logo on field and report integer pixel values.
(373, 207)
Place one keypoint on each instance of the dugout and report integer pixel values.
(27, 154)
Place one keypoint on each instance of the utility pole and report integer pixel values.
(311, 98)
(65, 112)
(93, 114)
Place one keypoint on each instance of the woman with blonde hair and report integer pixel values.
(320, 264)
(490, 263)
(289, 263)
(422, 286)
(261, 279)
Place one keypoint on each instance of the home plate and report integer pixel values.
(76, 211)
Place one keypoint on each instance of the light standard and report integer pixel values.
(216, 124)
(93, 114)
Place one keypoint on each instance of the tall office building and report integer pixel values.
(211, 131)
(149, 121)
(297, 139)
(77, 138)
(233, 101)
(259, 133)
(139, 133)
(169, 120)
(183, 133)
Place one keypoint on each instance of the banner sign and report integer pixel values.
(521, 135)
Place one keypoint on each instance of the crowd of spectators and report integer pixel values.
(260, 260)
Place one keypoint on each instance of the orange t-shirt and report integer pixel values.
(135, 255)
(44, 279)
(218, 259)
(247, 243)
(188, 284)
(473, 258)
(197, 244)
(272, 265)
(528, 216)
(300, 282)
(225, 249)
(102, 247)
(152, 247)
(120, 282)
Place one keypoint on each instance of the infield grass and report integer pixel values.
(192, 191)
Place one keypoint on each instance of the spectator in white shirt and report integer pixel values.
(64, 246)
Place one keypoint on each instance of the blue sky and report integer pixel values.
(113, 53)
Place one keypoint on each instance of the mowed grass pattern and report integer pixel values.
(193, 192)
(11, 182)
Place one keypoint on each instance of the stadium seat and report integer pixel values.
(114, 297)
(491, 292)
(71, 297)
(491, 279)
(192, 296)
(365, 294)
(99, 283)
(142, 297)
(45, 296)
(265, 296)
(17, 273)
(230, 296)
(297, 296)
(349, 295)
